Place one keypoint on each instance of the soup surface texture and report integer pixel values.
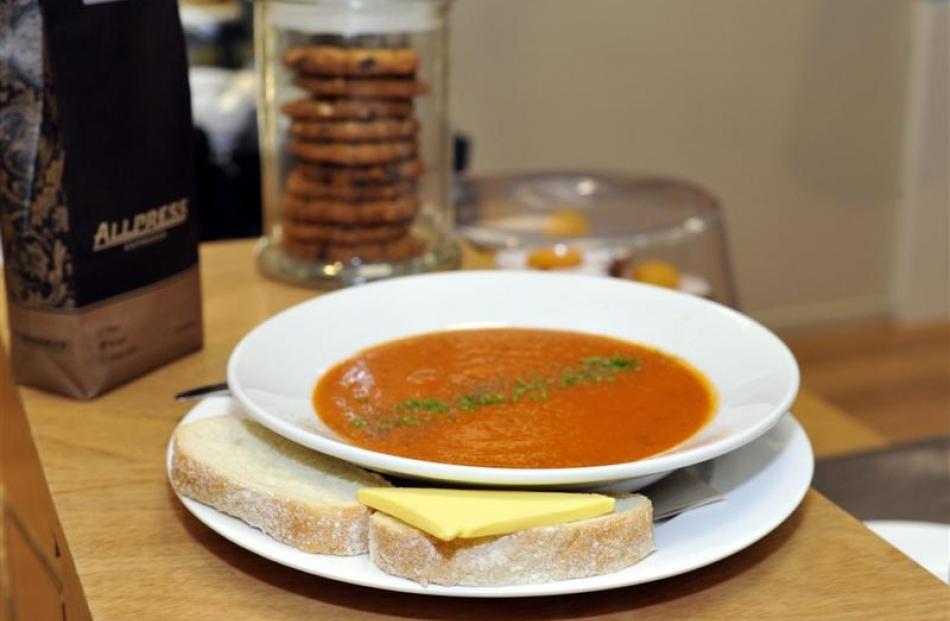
(514, 398)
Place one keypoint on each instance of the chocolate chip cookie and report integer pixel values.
(355, 131)
(351, 61)
(361, 88)
(302, 210)
(362, 176)
(335, 234)
(353, 153)
(300, 185)
(351, 109)
(401, 249)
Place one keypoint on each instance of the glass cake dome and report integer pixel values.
(652, 229)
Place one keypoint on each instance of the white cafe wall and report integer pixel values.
(798, 114)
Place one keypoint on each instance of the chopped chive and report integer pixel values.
(536, 386)
(414, 405)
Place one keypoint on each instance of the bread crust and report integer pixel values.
(574, 550)
(312, 527)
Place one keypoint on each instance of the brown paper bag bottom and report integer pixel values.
(83, 352)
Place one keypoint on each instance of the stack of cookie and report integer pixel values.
(351, 196)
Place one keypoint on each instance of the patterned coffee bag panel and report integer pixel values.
(34, 220)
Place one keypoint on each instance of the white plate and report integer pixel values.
(274, 369)
(762, 483)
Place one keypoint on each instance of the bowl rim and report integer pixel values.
(439, 471)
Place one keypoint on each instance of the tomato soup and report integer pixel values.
(514, 398)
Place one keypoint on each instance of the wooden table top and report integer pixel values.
(139, 555)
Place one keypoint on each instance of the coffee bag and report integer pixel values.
(96, 165)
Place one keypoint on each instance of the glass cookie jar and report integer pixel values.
(355, 145)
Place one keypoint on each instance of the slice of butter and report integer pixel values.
(451, 513)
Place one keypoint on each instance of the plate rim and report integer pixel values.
(662, 462)
(211, 518)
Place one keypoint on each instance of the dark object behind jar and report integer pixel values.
(99, 238)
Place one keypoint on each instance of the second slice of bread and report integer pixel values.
(293, 494)
(578, 549)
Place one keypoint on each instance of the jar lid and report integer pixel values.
(356, 17)
(585, 208)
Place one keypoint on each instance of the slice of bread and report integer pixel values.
(297, 496)
(588, 547)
